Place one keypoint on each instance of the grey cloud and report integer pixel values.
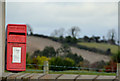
(92, 18)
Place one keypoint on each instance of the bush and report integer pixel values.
(71, 40)
(38, 62)
(68, 62)
(63, 50)
(28, 61)
(27, 58)
(84, 63)
(75, 57)
(116, 57)
(98, 65)
(58, 61)
(108, 51)
(49, 51)
(37, 53)
(111, 67)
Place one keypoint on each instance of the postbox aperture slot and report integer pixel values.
(16, 33)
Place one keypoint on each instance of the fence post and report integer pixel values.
(46, 67)
(118, 71)
(2, 37)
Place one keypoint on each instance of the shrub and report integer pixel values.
(27, 58)
(111, 67)
(58, 61)
(98, 65)
(64, 50)
(71, 40)
(75, 57)
(84, 63)
(28, 61)
(38, 62)
(49, 51)
(68, 62)
(37, 53)
(116, 57)
(108, 51)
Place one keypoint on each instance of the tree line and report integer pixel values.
(74, 32)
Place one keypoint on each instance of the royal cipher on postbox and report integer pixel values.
(16, 47)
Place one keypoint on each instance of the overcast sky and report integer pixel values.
(92, 18)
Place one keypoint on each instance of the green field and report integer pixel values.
(85, 73)
(68, 72)
(71, 72)
(101, 46)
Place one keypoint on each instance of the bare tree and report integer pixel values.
(29, 30)
(74, 31)
(112, 35)
(54, 33)
(58, 32)
(61, 32)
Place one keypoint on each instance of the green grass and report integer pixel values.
(85, 73)
(101, 46)
(70, 72)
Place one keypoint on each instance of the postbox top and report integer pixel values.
(16, 33)
(17, 28)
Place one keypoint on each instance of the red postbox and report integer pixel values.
(16, 47)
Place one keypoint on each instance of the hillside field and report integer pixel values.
(101, 46)
(39, 43)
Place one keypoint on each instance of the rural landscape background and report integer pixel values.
(73, 37)
(70, 51)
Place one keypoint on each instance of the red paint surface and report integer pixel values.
(16, 37)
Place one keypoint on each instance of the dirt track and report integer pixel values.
(37, 43)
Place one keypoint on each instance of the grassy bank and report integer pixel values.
(70, 72)
(101, 46)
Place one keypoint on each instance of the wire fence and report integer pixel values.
(68, 69)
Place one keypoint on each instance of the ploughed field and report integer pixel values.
(39, 43)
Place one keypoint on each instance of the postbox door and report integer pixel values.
(16, 56)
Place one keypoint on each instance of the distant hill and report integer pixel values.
(101, 46)
(39, 43)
